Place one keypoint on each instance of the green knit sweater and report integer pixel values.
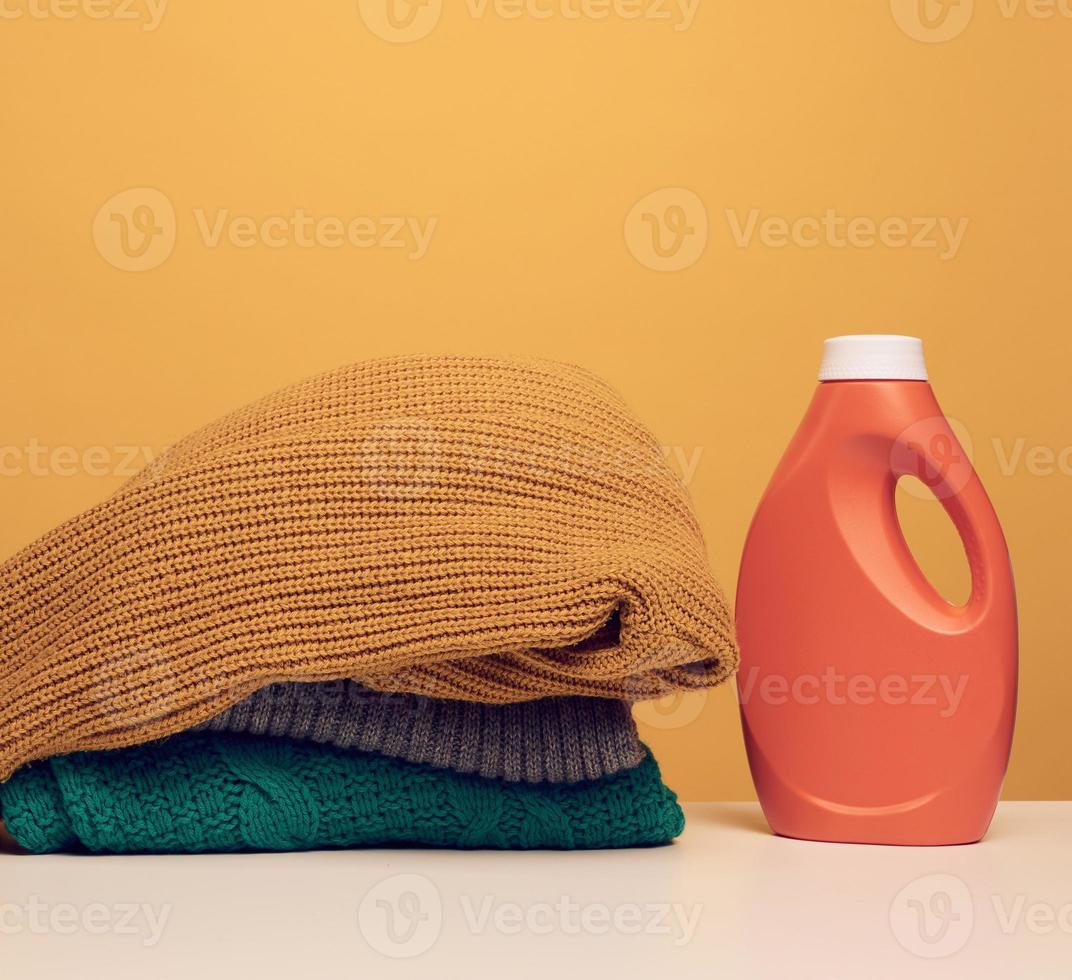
(204, 792)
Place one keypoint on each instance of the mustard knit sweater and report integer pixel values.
(468, 528)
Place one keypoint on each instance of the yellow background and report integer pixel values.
(531, 140)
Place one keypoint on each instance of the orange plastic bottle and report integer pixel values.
(874, 710)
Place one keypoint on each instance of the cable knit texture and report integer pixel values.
(464, 528)
(558, 740)
(199, 792)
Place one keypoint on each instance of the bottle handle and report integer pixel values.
(930, 451)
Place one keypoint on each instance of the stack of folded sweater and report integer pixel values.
(409, 601)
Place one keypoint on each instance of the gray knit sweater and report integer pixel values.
(559, 740)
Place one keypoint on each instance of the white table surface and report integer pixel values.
(727, 900)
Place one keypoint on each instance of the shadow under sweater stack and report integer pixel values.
(409, 601)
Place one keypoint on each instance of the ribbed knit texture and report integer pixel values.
(558, 740)
(465, 528)
(199, 792)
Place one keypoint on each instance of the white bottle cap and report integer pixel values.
(873, 357)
